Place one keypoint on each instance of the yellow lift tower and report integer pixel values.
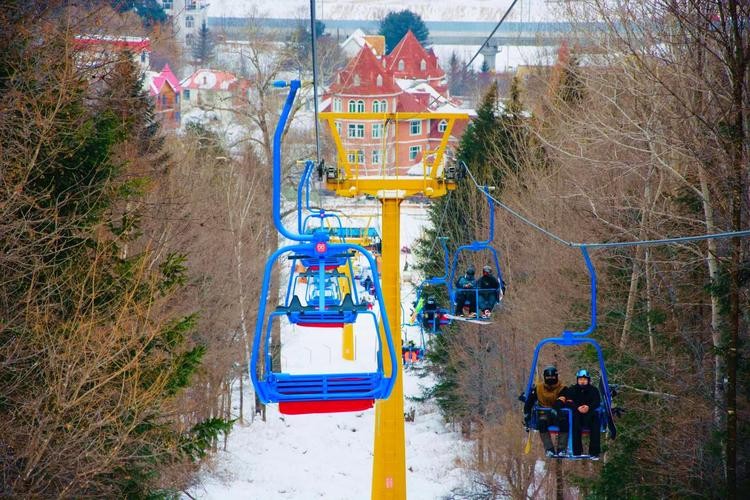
(436, 179)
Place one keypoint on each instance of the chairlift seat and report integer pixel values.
(334, 316)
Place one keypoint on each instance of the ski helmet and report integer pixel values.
(487, 270)
(550, 371)
(582, 373)
(470, 271)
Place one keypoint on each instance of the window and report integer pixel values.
(356, 130)
(338, 128)
(415, 127)
(442, 126)
(357, 80)
(379, 81)
(356, 157)
(414, 152)
(384, 106)
(356, 106)
(423, 65)
(400, 64)
(376, 157)
(376, 107)
(186, 94)
(143, 56)
(377, 130)
(166, 4)
(337, 104)
(191, 4)
(189, 21)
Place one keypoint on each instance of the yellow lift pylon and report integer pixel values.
(389, 461)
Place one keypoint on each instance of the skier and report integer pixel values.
(551, 403)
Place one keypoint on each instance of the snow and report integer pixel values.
(429, 10)
(330, 456)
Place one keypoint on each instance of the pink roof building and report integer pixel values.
(165, 89)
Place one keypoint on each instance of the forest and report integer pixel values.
(645, 139)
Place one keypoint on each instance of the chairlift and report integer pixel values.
(476, 296)
(315, 393)
(574, 339)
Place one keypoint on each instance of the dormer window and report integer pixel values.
(356, 80)
(205, 80)
(423, 65)
(400, 64)
(379, 81)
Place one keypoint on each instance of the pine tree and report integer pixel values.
(204, 47)
(91, 359)
(496, 143)
(396, 24)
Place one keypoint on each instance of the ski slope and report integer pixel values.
(302, 457)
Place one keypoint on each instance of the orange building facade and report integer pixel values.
(409, 80)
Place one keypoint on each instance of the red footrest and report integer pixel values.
(336, 406)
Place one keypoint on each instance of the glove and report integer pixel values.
(526, 419)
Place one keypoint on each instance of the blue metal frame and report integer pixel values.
(435, 282)
(573, 339)
(315, 252)
(476, 247)
(276, 386)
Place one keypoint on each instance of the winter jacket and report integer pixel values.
(548, 393)
(577, 395)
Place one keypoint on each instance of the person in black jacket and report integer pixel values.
(430, 319)
(548, 394)
(489, 292)
(466, 295)
(583, 399)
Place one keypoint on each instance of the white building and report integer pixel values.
(187, 17)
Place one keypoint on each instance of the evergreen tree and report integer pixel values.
(496, 143)
(396, 24)
(204, 47)
(460, 78)
(91, 360)
(150, 11)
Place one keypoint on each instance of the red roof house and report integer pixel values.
(409, 80)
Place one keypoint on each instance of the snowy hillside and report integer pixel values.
(432, 10)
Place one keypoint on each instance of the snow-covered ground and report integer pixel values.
(302, 457)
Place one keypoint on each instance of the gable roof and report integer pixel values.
(360, 77)
(411, 52)
(206, 79)
(165, 77)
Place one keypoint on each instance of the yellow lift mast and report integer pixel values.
(389, 461)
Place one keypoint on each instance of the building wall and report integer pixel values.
(187, 17)
(168, 107)
(399, 146)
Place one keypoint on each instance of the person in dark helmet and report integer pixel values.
(466, 286)
(430, 320)
(583, 398)
(551, 402)
(489, 292)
